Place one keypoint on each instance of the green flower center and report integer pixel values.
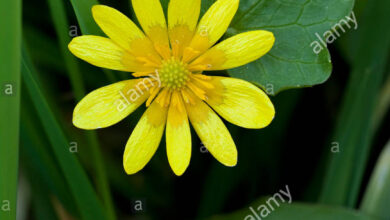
(173, 73)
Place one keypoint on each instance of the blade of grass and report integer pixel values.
(354, 130)
(37, 157)
(81, 188)
(58, 13)
(10, 44)
(83, 10)
(44, 49)
(376, 199)
(384, 103)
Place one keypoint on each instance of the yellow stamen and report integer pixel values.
(140, 74)
(201, 81)
(173, 73)
(201, 76)
(177, 101)
(162, 97)
(197, 91)
(147, 62)
(163, 50)
(186, 96)
(144, 84)
(189, 54)
(153, 93)
(176, 49)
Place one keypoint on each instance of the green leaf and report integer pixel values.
(295, 211)
(376, 199)
(355, 128)
(384, 103)
(83, 10)
(86, 200)
(61, 25)
(10, 44)
(291, 63)
(57, 10)
(37, 158)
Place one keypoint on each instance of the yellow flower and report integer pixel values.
(170, 58)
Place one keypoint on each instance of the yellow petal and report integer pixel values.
(182, 20)
(150, 15)
(145, 138)
(184, 13)
(240, 102)
(236, 51)
(213, 25)
(107, 105)
(178, 136)
(122, 31)
(103, 52)
(212, 132)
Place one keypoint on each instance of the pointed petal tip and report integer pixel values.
(178, 172)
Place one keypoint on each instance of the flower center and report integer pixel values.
(173, 73)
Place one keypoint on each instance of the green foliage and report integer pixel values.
(87, 202)
(291, 63)
(354, 131)
(60, 23)
(377, 196)
(289, 151)
(83, 10)
(10, 38)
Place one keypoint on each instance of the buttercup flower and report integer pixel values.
(169, 58)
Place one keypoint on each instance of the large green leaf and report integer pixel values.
(355, 128)
(86, 199)
(294, 211)
(10, 41)
(291, 63)
(376, 199)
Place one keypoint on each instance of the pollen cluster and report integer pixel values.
(173, 73)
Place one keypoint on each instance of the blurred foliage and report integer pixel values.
(350, 109)
(10, 55)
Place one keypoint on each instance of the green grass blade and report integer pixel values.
(57, 10)
(355, 130)
(81, 188)
(37, 158)
(83, 10)
(384, 104)
(61, 25)
(376, 199)
(10, 44)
